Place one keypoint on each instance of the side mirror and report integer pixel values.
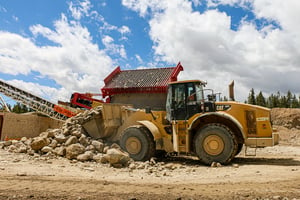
(211, 97)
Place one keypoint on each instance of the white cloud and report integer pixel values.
(240, 3)
(112, 48)
(75, 62)
(124, 29)
(144, 6)
(80, 8)
(265, 59)
(139, 59)
(47, 92)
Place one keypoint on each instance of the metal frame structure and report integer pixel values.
(36, 103)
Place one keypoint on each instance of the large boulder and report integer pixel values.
(99, 146)
(74, 150)
(71, 140)
(86, 156)
(39, 142)
(117, 156)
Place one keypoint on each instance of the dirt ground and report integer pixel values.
(269, 173)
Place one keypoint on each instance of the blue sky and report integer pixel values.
(53, 48)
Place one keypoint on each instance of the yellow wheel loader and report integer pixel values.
(192, 123)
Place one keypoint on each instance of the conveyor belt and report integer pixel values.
(34, 102)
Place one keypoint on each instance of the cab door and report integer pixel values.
(182, 102)
(179, 102)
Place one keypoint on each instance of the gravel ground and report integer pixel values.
(268, 173)
(274, 173)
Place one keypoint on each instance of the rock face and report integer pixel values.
(72, 142)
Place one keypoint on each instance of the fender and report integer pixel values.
(223, 115)
(152, 128)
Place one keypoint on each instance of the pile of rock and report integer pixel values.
(287, 117)
(71, 141)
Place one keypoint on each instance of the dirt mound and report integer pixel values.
(287, 123)
(287, 117)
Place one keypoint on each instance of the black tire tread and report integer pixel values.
(233, 138)
(149, 139)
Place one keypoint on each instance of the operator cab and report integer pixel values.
(186, 98)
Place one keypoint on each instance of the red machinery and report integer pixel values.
(84, 100)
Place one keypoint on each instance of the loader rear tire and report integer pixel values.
(138, 142)
(215, 143)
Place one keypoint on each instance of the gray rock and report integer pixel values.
(49, 133)
(23, 139)
(44, 134)
(132, 166)
(76, 133)
(30, 152)
(12, 148)
(83, 140)
(60, 138)
(71, 140)
(100, 158)
(46, 149)
(28, 141)
(15, 142)
(60, 151)
(66, 131)
(53, 144)
(99, 146)
(74, 150)
(90, 148)
(105, 149)
(117, 156)
(39, 142)
(88, 155)
(215, 164)
(22, 148)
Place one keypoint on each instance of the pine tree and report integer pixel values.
(274, 100)
(283, 102)
(289, 97)
(260, 100)
(19, 108)
(251, 97)
(294, 102)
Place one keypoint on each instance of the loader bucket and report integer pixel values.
(106, 123)
(94, 126)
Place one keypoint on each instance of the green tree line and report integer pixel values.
(17, 108)
(277, 100)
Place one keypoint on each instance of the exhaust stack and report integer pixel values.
(231, 91)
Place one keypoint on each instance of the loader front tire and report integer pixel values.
(138, 142)
(215, 143)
